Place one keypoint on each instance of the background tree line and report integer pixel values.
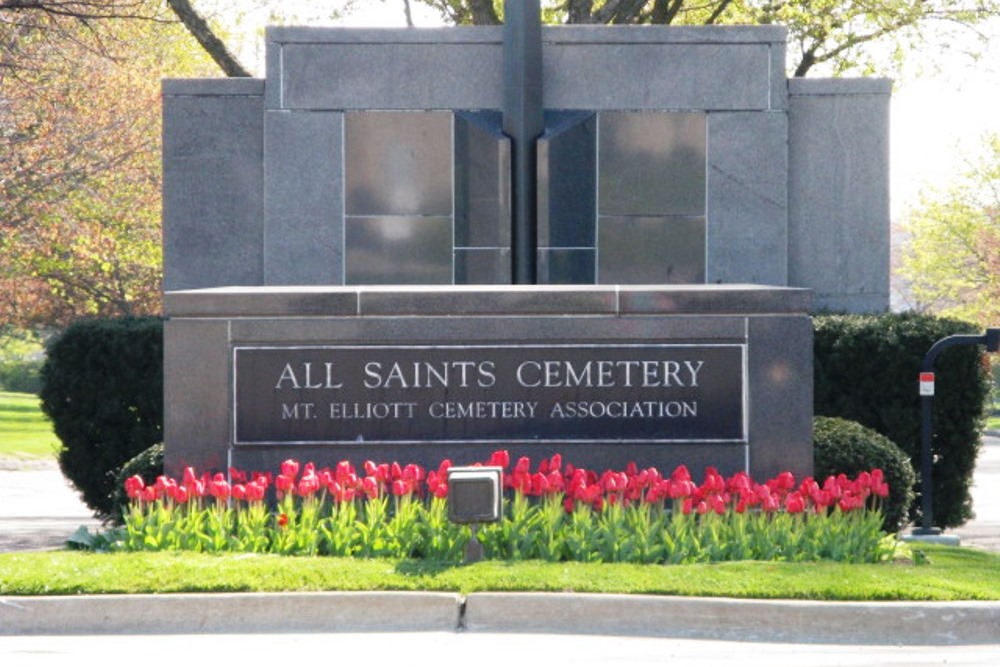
(80, 126)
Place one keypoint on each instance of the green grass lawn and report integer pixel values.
(25, 433)
(948, 574)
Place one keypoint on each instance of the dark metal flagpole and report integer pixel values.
(523, 122)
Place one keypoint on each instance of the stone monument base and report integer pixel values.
(699, 375)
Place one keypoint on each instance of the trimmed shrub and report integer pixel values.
(102, 387)
(148, 464)
(866, 370)
(843, 446)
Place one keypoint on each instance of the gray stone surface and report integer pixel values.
(410, 76)
(797, 171)
(196, 387)
(778, 380)
(780, 413)
(303, 198)
(713, 299)
(212, 183)
(700, 76)
(747, 198)
(838, 243)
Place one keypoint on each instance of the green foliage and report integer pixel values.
(80, 191)
(838, 36)
(531, 529)
(21, 357)
(147, 464)
(952, 260)
(843, 446)
(950, 574)
(866, 370)
(25, 433)
(103, 391)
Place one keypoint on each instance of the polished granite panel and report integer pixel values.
(482, 266)
(651, 163)
(567, 176)
(647, 250)
(566, 266)
(482, 181)
(398, 163)
(398, 249)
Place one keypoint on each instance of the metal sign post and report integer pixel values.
(991, 339)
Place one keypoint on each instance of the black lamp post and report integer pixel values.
(991, 339)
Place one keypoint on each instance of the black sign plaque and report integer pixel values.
(489, 393)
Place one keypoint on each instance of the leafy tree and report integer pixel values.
(832, 33)
(952, 260)
(79, 191)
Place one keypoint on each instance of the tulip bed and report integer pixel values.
(552, 512)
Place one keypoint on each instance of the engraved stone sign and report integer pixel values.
(489, 393)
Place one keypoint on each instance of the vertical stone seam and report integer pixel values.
(462, 603)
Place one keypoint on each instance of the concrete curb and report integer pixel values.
(230, 613)
(929, 623)
(904, 623)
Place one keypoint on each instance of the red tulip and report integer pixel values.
(523, 465)
(344, 471)
(308, 485)
(501, 458)
(284, 483)
(134, 486)
(219, 488)
(162, 482)
(413, 472)
(717, 503)
(370, 486)
(290, 468)
(680, 474)
(795, 503)
(879, 486)
(255, 491)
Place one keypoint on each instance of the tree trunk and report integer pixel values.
(201, 31)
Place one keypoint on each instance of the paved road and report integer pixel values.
(39, 509)
(984, 530)
(444, 649)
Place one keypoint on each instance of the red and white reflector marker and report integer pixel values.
(927, 384)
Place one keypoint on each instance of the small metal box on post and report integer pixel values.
(475, 497)
(991, 340)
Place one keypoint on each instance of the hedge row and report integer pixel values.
(867, 369)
